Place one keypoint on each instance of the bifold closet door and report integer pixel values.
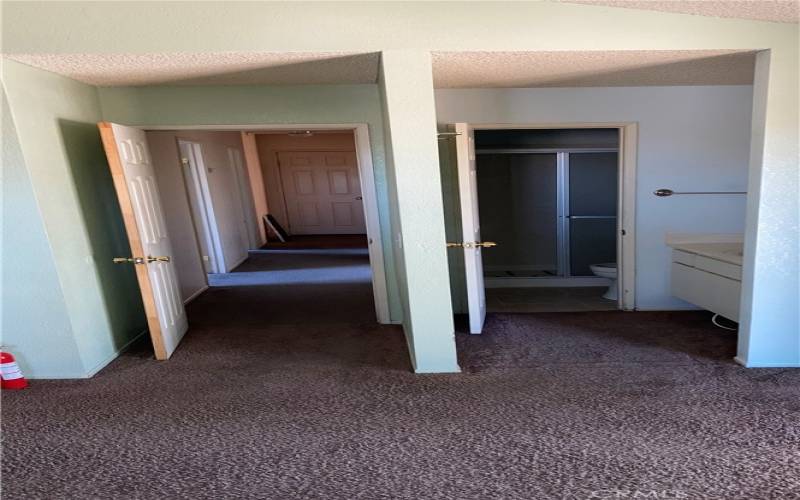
(592, 192)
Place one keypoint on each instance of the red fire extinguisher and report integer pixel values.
(10, 375)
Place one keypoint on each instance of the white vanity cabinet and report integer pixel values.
(708, 277)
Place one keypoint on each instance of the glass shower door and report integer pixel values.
(519, 210)
(591, 211)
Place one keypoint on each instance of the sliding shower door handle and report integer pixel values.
(591, 216)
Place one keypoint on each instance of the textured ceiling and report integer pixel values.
(450, 69)
(590, 69)
(781, 11)
(218, 68)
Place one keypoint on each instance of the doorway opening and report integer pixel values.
(548, 198)
(546, 217)
(199, 196)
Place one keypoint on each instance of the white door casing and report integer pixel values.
(137, 190)
(322, 192)
(470, 224)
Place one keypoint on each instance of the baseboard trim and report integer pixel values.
(668, 308)
(91, 373)
(435, 370)
(195, 295)
(239, 263)
(744, 363)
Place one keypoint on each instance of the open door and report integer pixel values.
(151, 251)
(471, 227)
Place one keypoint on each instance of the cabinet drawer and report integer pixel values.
(718, 267)
(683, 257)
(709, 291)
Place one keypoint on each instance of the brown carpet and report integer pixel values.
(291, 391)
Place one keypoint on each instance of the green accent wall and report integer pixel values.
(266, 105)
(35, 324)
(60, 186)
(406, 86)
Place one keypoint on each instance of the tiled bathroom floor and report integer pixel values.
(548, 299)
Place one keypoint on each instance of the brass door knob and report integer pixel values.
(482, 244)
(125, 260)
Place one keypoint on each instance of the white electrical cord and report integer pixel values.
(714, 320)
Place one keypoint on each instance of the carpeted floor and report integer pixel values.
(287, 391)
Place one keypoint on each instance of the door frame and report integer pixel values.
(626, 201)
(366, 177)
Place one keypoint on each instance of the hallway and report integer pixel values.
(291, 286)
(313, 303)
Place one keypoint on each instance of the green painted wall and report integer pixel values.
(35, 324)
(55, 123)
(406, 85)
(260, 105)
(770, 255)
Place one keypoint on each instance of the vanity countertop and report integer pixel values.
(725, 251)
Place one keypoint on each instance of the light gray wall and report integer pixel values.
(224, 197)
(690, 139)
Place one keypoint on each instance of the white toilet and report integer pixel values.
(607, 270)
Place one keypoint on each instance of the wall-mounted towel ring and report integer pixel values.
(669, 192)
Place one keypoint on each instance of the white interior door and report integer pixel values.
(202, 210)
(151, 252)
(322, 192)
(245, 197)
(470, 224)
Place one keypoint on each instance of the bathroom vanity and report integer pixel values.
(709, 275)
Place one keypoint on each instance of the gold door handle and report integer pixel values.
(125, 260)
(157, 259)
(482, 244)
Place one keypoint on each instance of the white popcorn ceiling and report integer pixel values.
(627, 68)
(216, 68)
(780, 11)
(450, 69)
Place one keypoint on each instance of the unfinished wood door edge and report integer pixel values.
(131, 228)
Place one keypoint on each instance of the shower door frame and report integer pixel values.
(564, 212)
(626, 195)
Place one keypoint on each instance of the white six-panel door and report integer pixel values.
(322, 192)
(471, 227)
(135, 182)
